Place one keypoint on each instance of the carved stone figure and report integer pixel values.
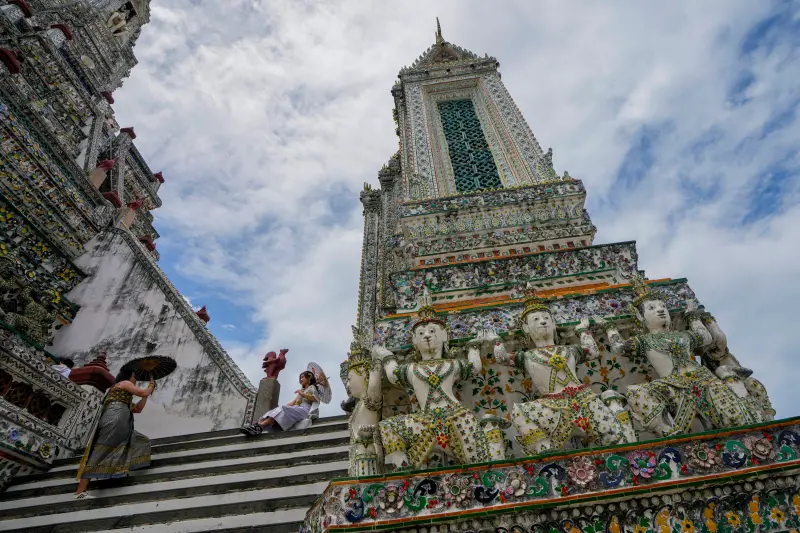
(118, 21)
(273, 363)
(10, 286)
(403, 251)
(442, 424)
(684, 388)
(725, 365)
(362, 377)
(34, 318)
(566, 406)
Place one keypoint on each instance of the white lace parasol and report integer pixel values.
(322, 381)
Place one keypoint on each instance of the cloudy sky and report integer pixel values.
(267, 117)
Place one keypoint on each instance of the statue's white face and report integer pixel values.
(429, 339)
(655, 315)
(540, 326)
(356, 384)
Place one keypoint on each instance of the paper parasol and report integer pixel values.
(152, 366)
(322, 381)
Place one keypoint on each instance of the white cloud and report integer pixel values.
(268, 116)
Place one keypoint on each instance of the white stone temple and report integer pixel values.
(507, 373)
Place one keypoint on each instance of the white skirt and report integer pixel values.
(287, 416)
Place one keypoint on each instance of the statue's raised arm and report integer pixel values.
(483, 338)
(694, 315)
(684, 389)
(588, 343)
(386, 360)
(432, 375)
(362, 373)
(566, 407)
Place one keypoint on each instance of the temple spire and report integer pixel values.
(439, 38)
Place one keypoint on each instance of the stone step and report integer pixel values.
(286, 521)
(228, 507)
(166, 490)
(244, 448)
(214, 440)
(216, 481)
(327, 421)
(202, 474)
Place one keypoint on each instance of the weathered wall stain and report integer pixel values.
(125, 312)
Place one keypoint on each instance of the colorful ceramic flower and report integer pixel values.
(390, 498)
(702, 457)
(515, 485)
(687, 526)
(643, 464)
(777, 515)
(581, 471)
(760, 447)
(733, 518)
(45, 450)
(457, 490)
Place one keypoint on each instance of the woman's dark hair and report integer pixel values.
(69, 363)
(124, 375)
(312, 380)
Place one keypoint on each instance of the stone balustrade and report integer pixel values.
(43, 415)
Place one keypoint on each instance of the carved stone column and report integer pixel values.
(388, 176)
(94, 141)
(368, 285)
(269, 392)
(124, 142)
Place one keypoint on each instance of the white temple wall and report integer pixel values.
(129, 309)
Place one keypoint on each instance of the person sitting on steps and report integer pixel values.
(282, 418)
(64, 367)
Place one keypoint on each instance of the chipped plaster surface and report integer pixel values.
(126, 312)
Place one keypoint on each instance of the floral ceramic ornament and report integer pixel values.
(581, 471)
(701, 457)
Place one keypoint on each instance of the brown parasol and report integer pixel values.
(152, 366)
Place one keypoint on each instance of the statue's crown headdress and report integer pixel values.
(532, 303)
(358, 358)
(426, 312)
(643, 293)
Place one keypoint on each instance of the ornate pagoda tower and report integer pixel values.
(519, 370)
(78, 253)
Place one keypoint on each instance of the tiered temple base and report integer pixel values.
(741, 480)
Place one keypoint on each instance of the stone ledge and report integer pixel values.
(557, 479)
(612, 303)
(482, 199)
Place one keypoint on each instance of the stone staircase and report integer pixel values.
(218, 481)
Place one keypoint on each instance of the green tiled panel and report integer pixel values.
(473, 165)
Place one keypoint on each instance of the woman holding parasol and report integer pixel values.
(314, 387)
(115, 448)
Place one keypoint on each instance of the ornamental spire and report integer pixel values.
(439, 38)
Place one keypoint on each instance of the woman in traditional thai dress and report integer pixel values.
(282, 418)
(115, 448)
